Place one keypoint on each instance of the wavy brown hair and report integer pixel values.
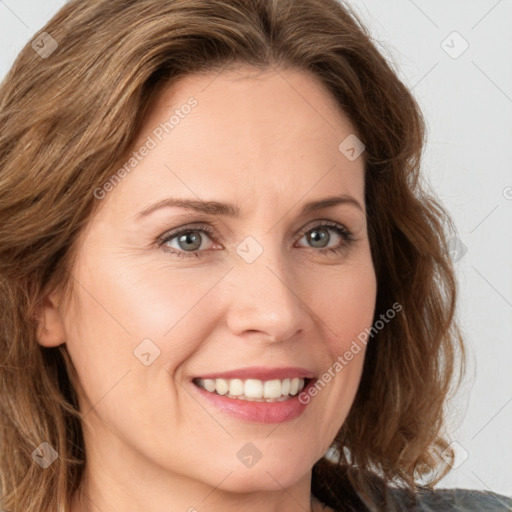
(68, 122)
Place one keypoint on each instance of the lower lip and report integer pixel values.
(259, 412)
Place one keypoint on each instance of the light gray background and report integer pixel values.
(467, 102)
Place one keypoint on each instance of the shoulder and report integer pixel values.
(457, 500)
(340, 494)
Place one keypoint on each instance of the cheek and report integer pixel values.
(345, 304)
(344, 300)
(155, 298)
(130, 315)
(126, 320)
(124, 304)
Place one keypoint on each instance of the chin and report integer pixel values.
(273, 474)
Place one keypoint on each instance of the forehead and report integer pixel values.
(241, 133)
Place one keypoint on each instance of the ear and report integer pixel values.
(50, 325)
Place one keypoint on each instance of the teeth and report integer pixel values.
(236, 387)
(285, 387)
(294, 386)
(221, 386)
(254, 389)
(209, 385)
(272, 389)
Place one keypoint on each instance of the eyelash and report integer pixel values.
(346, 235)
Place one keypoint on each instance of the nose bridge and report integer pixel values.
(264, 298)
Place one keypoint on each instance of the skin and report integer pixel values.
(268, 143)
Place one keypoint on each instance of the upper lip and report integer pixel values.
(261, 373)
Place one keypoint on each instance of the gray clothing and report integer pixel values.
(457, 500)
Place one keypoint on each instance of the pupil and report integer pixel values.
(190, 238)
(318, 235)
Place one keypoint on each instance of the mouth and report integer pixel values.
(254, 390)
(257, 394)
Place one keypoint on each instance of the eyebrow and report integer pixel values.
(231, 210)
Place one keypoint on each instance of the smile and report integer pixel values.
(254, 390)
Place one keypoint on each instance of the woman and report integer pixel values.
(223, 287)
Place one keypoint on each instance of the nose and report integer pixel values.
(265, 299)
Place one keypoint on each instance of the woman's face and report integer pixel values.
(271, 288)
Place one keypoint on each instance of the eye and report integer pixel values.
(319, 237)
(190, 241)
